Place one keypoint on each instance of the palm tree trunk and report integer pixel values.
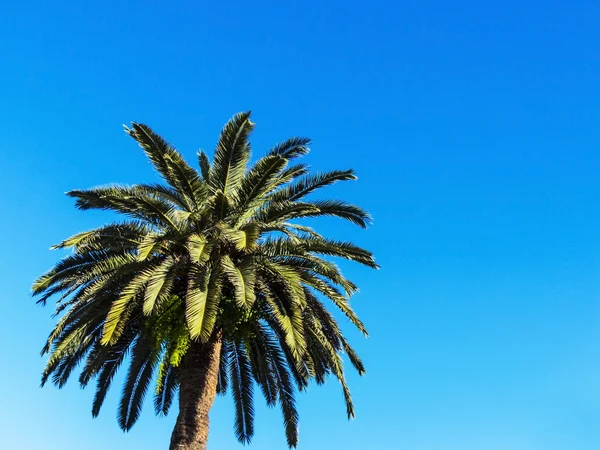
(197, 390)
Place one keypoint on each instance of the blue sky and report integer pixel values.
(473, 127)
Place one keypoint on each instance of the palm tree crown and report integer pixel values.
(212, 255)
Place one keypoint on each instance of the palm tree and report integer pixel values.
(207, 286)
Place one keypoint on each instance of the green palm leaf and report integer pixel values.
(311, 183)
(232, 154)
(143, 361)
(242, 279)
(291, 148)
(240, 375)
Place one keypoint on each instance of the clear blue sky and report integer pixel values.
(474, 128)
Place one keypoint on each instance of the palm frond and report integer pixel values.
(346, 250)
(117, 314)
(163, 398)
(143, 361)
(196, 245)
(71, 358)
(354, 358)
(262, 365)
(292, 173)
(117, 237)
(259, 181)
(169, 163)
(232, 154)
(284, 210)
(223, 380)
(291, 148)
(335, 364)
(159, 285)
(202, 300)
(285, 388)
(311, 183)
(195, 302)
(343, 210)
(165, 193)
(204, 164)
(240, 375)
(128, 201)
(109, 365)
(242, 279)
(336, 297)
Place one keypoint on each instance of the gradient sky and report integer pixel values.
(474, 129)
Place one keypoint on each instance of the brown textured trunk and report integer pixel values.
(197, 390)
